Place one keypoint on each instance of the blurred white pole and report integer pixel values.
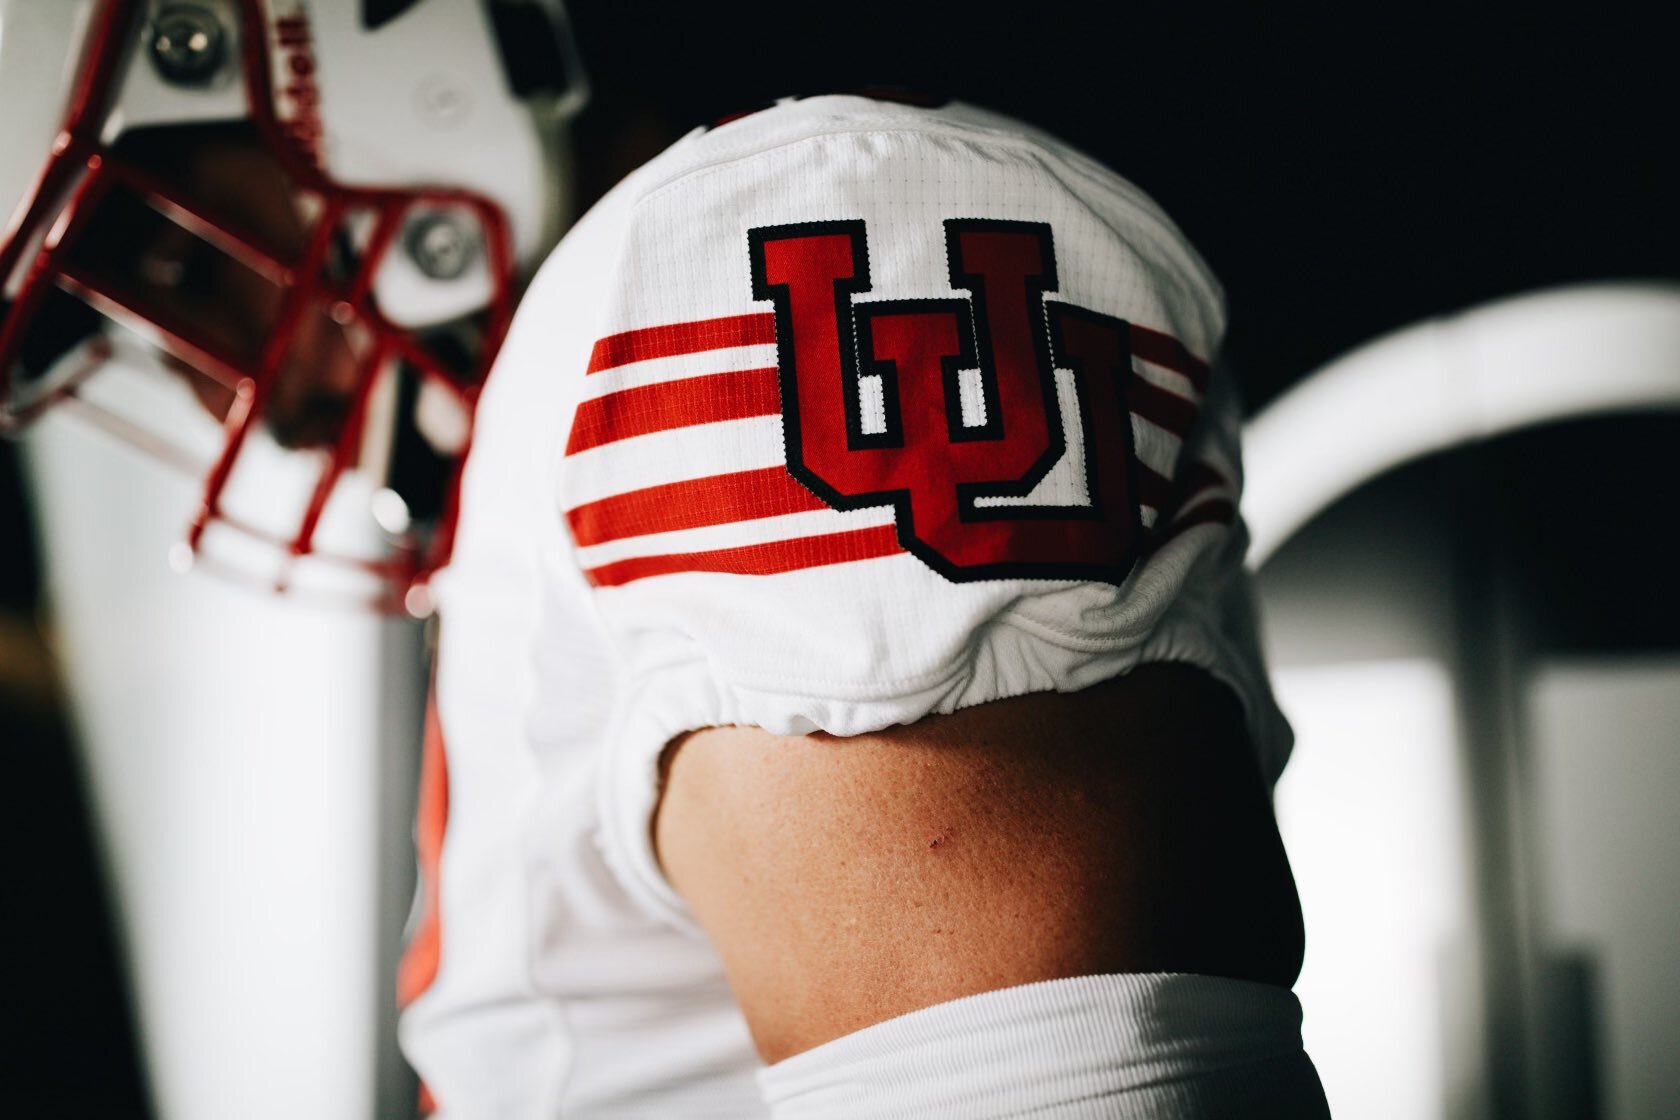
(1380, 1035)
(1449, 381)
(231, 743)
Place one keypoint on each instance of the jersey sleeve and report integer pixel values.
(890, 413)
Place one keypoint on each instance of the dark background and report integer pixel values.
(1345, 172)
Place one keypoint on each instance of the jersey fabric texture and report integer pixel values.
(832, 417)
(1139, 1046)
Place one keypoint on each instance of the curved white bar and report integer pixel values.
(1444, 382)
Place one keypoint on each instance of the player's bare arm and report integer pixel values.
(1124, 828)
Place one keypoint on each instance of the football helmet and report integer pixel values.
(317, 212)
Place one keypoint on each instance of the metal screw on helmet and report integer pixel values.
(441, 245)
(188, 44)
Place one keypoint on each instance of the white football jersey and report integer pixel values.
(831, 417)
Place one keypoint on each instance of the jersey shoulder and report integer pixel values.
(890, 410)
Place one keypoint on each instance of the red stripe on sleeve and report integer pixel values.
(1216, 512)
(1165, 350)
(1160, 406)
(682, 338)
(1153, 488)
(1195, 479)
(758, 559)
(715, 500)
(1199, 474)
(674, 404)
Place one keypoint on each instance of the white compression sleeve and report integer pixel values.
(1162, 1046)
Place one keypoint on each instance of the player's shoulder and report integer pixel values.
(852, 119)
(896, 162)
(792, 119)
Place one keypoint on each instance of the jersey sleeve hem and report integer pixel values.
(1016, 659)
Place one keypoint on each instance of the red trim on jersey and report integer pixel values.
(674, 404)
(696, 502)
(682, 338)
(1165, 350)
(1161, 407)
(1168, 497)
(1198, 475)
(1216, 512)
(1154, 489)
(765, 559)
(419, 964)
(1195, 479)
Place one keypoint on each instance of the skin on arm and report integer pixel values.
(1125, 828)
